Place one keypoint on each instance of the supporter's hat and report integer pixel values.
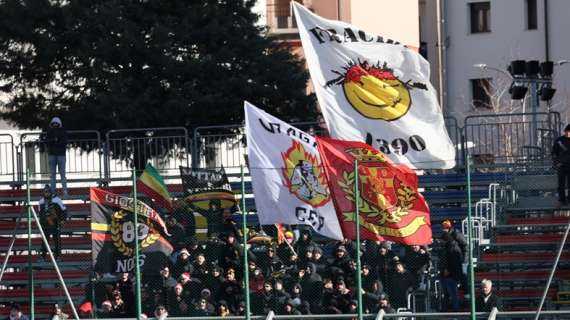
(107, 303)
(86, 307)
(567, 127)
(383, 296)
(185, 276)
(205, 291)
(184, 250)
(341, 248)
(446, 224)
(289, 235)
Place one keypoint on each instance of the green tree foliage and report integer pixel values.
(115, 64)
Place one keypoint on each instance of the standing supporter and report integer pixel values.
(58, 314)
(231, 290)
(52, 213)
(368, 279)
(182, 264)
(305, 244)
(270, 263)
(200, 267)
(220, 221)
(451, 266)
(125, 286)
(16, 313)
(459, 238)
(487, 300)
(384, 304)
(290, 309)
(185, 217)
(56, 143)
(177, 234)
(192, 286)
(320, 261)
(201, 309)
(341, 264)
(160, 313)
(284, 251)
(223, 309)
(561, 160)
(230, 253)
(343, 296)
(256, 280)
(401, 283)
(118, 307)
(214, 282)
(175, 299)
(349, 246)
(417, 260)
(105, 310)
(371, 296)
(384, 263)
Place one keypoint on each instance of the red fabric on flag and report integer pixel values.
(391, 208)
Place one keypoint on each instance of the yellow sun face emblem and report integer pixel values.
(375, 92)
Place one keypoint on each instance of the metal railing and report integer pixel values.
(83, 155)
(491, 140)
(166, 148)
(7, 158)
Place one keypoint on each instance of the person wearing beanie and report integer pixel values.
(55, 140)
(52, 213)
(561, 162)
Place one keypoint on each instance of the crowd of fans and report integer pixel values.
(294, 277)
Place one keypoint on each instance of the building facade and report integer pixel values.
(494, 33)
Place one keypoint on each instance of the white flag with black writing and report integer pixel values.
(375, 90)
(287, 177)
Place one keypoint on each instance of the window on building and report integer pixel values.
(531, 15)
(285, 19)
(480, 90)
(480, 17)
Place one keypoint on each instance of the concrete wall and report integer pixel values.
(398, 20)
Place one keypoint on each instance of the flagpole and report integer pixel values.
(137, 268)
(357, 219)
(470, 236)
(30, 272)
(244, 232)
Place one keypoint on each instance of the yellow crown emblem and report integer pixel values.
(366, 155)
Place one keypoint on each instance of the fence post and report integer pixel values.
(470, 235)
(244, 231)
(357, 220)
(137, 267)
(30, 272)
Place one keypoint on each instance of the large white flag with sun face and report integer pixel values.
(286, 173)
(375, 90)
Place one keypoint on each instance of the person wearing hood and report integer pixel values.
(56, 143)
(561, 161)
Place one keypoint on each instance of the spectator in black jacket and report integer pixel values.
(561, 159)
(487, 300)
(417, 260)
(56, 143)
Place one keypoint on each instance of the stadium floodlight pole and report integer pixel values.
(244, 235)
(470, 236)
(357, 223)
(137, 267)
(30, 272)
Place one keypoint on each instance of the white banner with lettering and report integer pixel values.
(288, 181)
(375, 90)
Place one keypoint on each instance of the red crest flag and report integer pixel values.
(391, 208)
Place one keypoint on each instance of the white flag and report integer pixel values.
(375, 90)
(288, 181)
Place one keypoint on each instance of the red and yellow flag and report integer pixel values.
(151, 184)
(391, 208)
